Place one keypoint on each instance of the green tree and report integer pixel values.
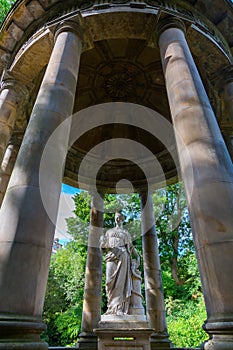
(64, 295)
(173, 229)
(5, 6)
(185, 320)
(181, 281)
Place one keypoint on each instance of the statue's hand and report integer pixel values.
(111, 257)
(117, 251)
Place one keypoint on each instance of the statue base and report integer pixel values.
(123, 338)
(124, 321)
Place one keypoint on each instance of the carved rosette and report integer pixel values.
(121, 80)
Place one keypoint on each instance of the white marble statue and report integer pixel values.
(119, 250)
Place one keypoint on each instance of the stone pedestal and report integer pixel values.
(123, 338)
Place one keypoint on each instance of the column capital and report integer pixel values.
(75, 26)
(16, 83)
(170, 22)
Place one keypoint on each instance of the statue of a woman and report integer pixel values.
(118, 244)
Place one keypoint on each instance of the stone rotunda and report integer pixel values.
(96, 92)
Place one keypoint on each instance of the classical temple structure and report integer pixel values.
(104, 95)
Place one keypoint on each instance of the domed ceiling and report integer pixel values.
(123, 70)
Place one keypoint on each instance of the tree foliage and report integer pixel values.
(185, 320)
(5, 6)
(64, 295)
(173, 228)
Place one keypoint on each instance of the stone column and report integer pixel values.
(93, 282)
(155, 306)
(13, 93)
(27, 230)
(8, 163)
(208, 179)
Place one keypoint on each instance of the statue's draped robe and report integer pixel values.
(118, 271)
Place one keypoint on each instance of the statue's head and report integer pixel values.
(119, 218)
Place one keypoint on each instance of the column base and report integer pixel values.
(87, 341)
(221, 335)
(160, 341)
(19, 332)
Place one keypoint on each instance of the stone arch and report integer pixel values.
(40, 33)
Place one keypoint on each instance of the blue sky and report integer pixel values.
(69, 189)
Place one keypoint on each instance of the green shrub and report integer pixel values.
(184, 321)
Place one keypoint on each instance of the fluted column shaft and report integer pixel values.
(27, 229)
(155, 306)
(208, 179)
(93, 282)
